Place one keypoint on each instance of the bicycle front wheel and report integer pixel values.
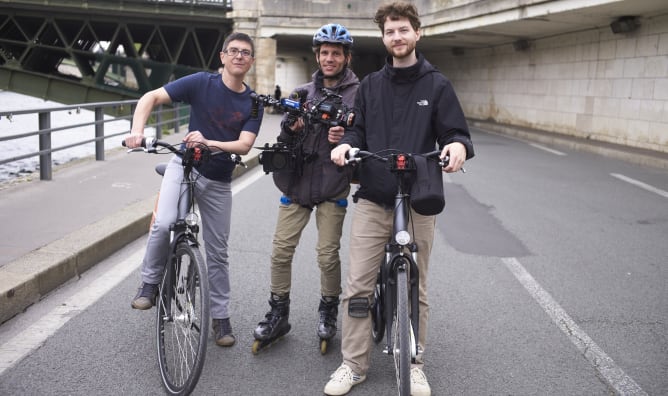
(402, 336)
(377, 311)
(183, 320)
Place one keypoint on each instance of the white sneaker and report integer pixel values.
(419, 384)
(343, 379)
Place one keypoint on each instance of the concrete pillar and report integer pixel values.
(265, 65)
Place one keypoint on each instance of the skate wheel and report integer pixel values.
(323, 347)
(256, 347)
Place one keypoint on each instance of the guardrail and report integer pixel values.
(222, 3)
(161, 118)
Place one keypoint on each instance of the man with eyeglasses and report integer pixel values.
(221, 118)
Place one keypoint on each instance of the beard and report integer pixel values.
(401, 52)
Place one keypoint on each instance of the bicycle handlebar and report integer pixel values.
(357, 155)
(150, 145)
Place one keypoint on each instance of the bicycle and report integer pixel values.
(398, 275)
(182, 308)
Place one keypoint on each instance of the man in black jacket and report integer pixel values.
(313, 184)
(408, 106)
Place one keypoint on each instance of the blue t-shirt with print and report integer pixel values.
(218, 113)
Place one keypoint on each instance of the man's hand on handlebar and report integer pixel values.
(338, 154)
(133, 140)
(456, 152)
(195, 139)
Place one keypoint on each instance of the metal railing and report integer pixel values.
(161, 118)
(227, 4)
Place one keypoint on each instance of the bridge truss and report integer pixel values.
(112, 51)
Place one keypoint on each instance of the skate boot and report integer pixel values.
(275, 324)
(328, 309)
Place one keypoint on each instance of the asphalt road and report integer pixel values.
(548, 277)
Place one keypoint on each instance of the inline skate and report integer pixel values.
(275, 324)
(328, 310)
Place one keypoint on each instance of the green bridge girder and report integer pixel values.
(87, 51)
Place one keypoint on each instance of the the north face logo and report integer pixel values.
(423, 102)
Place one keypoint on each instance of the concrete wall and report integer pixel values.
(592, 84)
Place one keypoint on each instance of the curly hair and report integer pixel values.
(397, 10)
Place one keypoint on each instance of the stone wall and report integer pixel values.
(592, 84)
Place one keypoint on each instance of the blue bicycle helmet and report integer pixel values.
(332, 33)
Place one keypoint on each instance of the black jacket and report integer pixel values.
(320, 178)
(408, 109)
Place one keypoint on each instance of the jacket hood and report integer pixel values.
(409, 74)
(349, 78)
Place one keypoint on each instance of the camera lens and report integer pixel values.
(279, 161)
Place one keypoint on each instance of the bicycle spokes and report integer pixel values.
(182, 320)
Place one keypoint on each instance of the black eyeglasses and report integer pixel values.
(233, 52)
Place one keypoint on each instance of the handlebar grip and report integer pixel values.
(351, 155)
(145, 142)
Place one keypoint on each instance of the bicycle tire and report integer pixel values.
(183, 320)
(401, 336)
(377, 313)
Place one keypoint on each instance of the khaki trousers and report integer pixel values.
(370, 230)
(292, 219)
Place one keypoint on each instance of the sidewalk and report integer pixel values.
(52, 231)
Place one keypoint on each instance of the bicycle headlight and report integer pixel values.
(192, 219)
(403, 237)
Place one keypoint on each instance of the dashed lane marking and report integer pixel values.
(549, 150)
(640, 184)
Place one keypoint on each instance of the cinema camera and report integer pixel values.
(329, 110)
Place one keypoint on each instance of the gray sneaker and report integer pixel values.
(222, 332)
(419, 384)
(145, 297)
(343, 379)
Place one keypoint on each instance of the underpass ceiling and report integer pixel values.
(489, 34)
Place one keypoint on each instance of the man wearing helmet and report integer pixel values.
(318, 185)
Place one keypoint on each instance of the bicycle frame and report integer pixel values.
(182, 309)
(186, 227)
(398, 274)
(400, 255)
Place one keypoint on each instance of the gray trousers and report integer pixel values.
(214, 201)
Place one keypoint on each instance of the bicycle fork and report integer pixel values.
(178, 273)
(402, 263)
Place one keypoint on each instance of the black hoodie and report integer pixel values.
(407, 109)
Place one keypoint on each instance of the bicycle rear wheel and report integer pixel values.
(402, 336)
(183, 320)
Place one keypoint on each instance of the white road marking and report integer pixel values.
(641, 184)
(549, 150)
(247, 179)
(34, 336)
(606, 367)
(30, 339)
